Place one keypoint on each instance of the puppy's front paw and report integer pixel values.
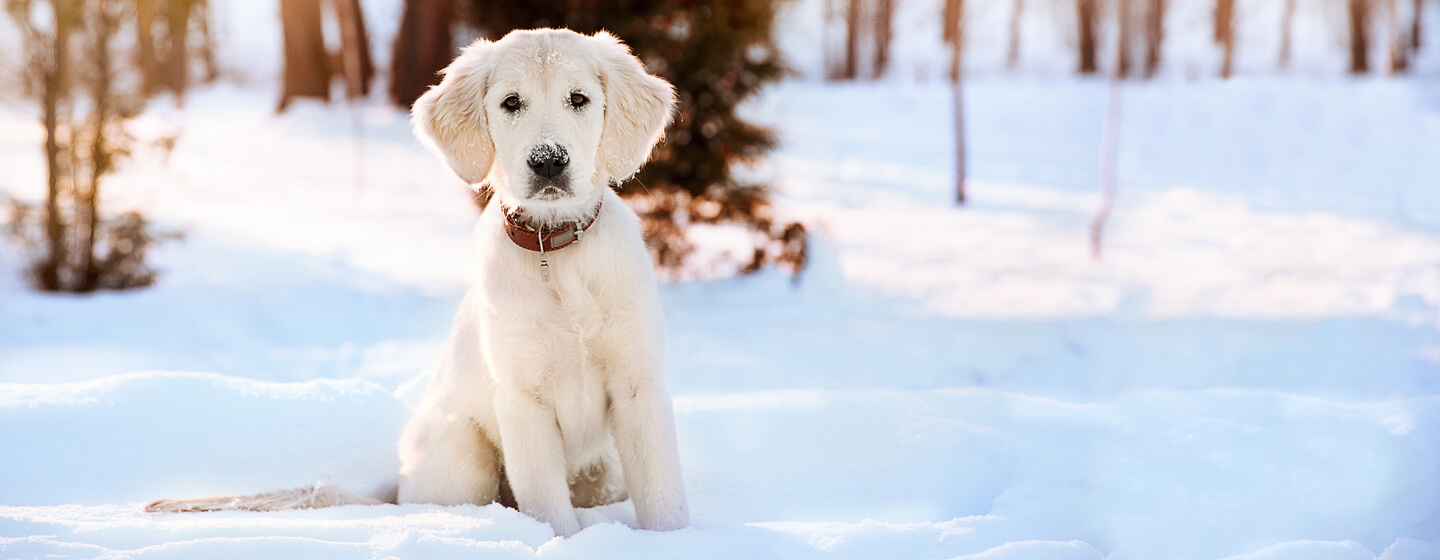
(664, 519)
(564, 525)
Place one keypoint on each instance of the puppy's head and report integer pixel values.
(547, 116)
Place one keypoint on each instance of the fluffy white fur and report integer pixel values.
(554, 387)
(559, 383)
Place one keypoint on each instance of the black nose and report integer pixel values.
(548, 161)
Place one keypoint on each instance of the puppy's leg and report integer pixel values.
(643, 423)
(447, 460)
(535, 458)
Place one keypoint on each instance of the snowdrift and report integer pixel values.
(799, 473)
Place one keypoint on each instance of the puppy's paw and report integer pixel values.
(664, 519)
(566, 528)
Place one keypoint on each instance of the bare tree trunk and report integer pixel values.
(422, 48)
(100, 162)
(1154, 36)
(1012, 53)
(852, 41)
(1225, 34)
(1399, 59)
(1418, 14)
(355, 63)
(176, 65)
(834, 66)
(950, 30)
(1125, 25)
(1087, 14)
(954, 21)
(164, 61)
(47, 270)
(307, 64)
(884, 32)
(207, 42)
(1359, 11)
(146, 57)
(1287, 19)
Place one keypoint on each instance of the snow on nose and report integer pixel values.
(548, 160)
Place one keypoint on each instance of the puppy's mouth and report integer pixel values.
(550, 188)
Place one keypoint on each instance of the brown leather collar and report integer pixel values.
(544, 240)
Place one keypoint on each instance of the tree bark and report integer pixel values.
(1154, 36)
(422, 48)
(47, 270)
(1087, 15)
(954, 21)
(104, 27)
(1225, 34)
(1418, 14)
(1398, 43)
(1125, 26)
(950, 24)
(206, 43)
(146, 57)
(852, 41)
(1359, 11)
(884, 32)
(177, 65)
(307, 64)
(355, 62)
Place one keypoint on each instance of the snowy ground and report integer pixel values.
(1252, 371)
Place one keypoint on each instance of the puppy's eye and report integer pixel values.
(511, 103)
(577, 100)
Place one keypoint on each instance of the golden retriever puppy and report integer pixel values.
(551, 391)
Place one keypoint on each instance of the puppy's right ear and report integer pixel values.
(450, 117)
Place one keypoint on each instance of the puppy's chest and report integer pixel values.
(577, 377)
(574, 319)
(576, 313)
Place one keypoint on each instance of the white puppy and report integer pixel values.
(552, 377)
(551, 388)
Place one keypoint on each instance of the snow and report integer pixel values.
(1251, 370)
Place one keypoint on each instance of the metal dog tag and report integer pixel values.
(544, 259)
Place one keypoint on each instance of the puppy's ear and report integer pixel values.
(450, 117)
(638, 106)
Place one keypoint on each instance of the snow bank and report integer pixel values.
(838, 474)
(146, 436)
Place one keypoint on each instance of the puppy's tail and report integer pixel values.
(322, 494)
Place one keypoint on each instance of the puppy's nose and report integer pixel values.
(548, 161)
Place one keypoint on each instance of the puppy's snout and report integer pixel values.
(548, 160)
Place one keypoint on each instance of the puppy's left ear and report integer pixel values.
(638, 107)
